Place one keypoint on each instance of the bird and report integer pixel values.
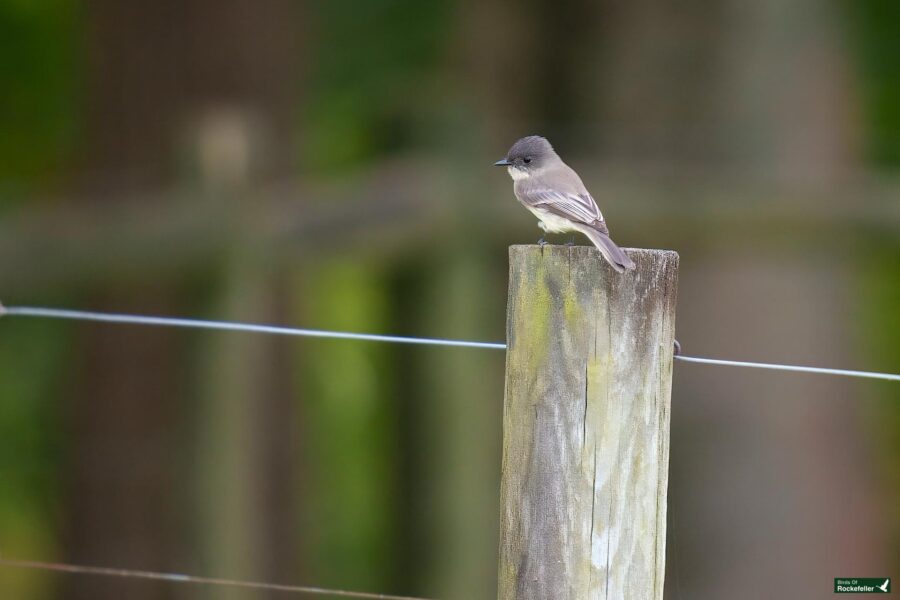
(554, 192)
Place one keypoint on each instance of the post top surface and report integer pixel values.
(586, 249)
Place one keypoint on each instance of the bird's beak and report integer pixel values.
(502, 163)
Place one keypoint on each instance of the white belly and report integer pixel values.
(550, 222)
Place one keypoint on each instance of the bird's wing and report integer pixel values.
(579, 208)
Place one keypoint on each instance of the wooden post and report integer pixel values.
(586, 425)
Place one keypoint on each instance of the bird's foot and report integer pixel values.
(542, 242)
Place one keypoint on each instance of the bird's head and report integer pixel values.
(529, 154)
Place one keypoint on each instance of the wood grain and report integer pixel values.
(586, 425)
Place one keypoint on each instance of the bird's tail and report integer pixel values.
(612, 253)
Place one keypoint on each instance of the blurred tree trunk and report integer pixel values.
(242, 480)
(349, 437)
(460, 423)
(770, 464)
(494, 63)
(157, 72)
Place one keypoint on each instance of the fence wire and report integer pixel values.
(81, 315)
(205, 581)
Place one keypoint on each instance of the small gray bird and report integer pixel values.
(551, 190)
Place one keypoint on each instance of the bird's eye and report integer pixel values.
(527, 159)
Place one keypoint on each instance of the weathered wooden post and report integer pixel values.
(586, 425)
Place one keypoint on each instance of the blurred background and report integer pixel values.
(327, 164)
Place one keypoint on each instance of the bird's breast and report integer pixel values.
(552, 223)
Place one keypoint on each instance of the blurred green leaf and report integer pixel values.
(40, 71)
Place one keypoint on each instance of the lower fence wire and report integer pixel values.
(80, 315)
(207, 581)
